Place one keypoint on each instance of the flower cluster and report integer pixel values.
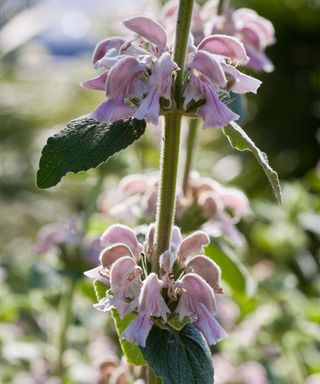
(136, 197)
(253, 30)
(138, 75)
(184, 290)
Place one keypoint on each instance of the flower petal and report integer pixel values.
(149, 29)
(98, 83)
(104, 46)
(209, 326)
(192, 245)
(123, 270)
(138, 330)
(121, 234)
(112, 110)
(240, 83)
(208, 65)
(214, 112)
(207, 269)
(110, 254)
(226, 46)
(199, 289)
(121, 76)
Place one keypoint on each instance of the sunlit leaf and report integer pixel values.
(241, 141)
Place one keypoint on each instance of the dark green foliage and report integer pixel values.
(179, 358)
(83, 144)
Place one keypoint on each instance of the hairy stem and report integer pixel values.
(171, 140)
(190, 149)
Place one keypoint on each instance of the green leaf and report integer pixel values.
(233, 272)
(99, 289)
(83, 144)
(131, 350)
(241, 141)
(179, 358)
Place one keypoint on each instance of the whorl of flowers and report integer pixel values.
(136, 197)
(184, 289)
(254, 31)
(138, 75)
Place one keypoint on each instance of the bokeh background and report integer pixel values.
(271, 305)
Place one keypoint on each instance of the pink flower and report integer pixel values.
(125, 286)
(118, 241)
(254, 31)
(151, 304)
(198, 303)
(211, 75)
(138, 73)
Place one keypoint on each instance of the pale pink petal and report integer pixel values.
(197, 302)
(112, 253)
(121, 76)
(259, 61)
(236, 201)
(226, 46)
(239, 82)
(148, 244)
(112, 110)
(97, 274)
(193, 91)
(151, 300)
(121, 234)
(138, 330)
(192, 245)
(149, 108)
(214, 112)
(102, 47)
(207, 269)
(251, 36)
(210, 203)
(176, 238)
(149, 29)
(98, 83)
(159, 85)
(209, 326)
(199, 289)
(151, 303)
(209, 66)
(166, 262)
(121, 270)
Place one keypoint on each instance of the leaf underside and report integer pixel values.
(179, 358)
(241, 141)
(83, 144)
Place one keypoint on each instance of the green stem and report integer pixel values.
(223, 4)
(170, 149)
(65, 319)
(171, 140)
(167, 187)
(190, 146)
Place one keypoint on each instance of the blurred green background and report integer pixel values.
(45, 50)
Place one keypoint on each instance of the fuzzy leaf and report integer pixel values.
(131, 350)
(179, 358)
(241, 141)
(83, 144)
